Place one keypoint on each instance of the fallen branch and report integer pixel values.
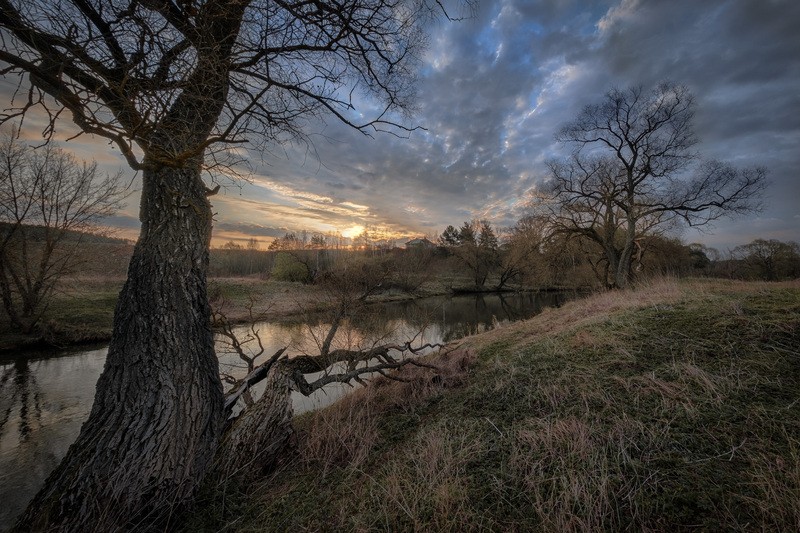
(256, 375)
(300, 383)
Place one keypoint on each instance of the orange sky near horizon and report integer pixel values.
(493, 90)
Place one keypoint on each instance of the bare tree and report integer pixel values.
(299, 257)
(172, 83)
(521, 250)
(47, 202)
(412, 268)
(770, 259)
(632, 173)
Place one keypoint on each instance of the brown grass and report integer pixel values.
(672, 407)
(582, 312)
(345, 433)
(426, 487)
(776, 480)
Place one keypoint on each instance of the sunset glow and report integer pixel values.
(486, 141)
(353, 231)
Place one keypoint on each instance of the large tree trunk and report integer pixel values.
(612, 268)
(622, 271)
(157, 416)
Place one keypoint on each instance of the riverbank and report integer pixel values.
(82, 310)
(673, 406)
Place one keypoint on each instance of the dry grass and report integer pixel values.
(344, 434)
(579, 313)
(566, 474)
(341, 436)
(425, 487)
(674, 406)
(776, 483)
(337, 446)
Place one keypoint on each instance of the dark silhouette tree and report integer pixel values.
(632, 173)
(487, 239)
(521, 250)
(317, 242)
(466, 233)
(289, 241)
(703, 257)
(476, 245)
(173, 84)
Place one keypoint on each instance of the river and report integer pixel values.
(46, 396)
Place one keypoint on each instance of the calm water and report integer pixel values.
(45, 397)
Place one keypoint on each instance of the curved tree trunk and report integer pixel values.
(612, 268)
(622, 271)
(157, 416)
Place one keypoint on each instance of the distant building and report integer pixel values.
(420, 244)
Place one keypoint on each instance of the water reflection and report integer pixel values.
(18, 386)
(44, 398)
(430, 320)
(43, 402)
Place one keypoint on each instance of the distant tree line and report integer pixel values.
(769, 260)
(533, 254)
(604, 218)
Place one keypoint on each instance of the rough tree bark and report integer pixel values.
(157, 416)
(158, 410)
(254, 443)
(169, 82)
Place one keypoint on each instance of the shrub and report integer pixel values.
(288, 268)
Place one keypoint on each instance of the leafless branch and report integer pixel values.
(629, 174)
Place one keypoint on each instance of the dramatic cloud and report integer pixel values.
(494, 89)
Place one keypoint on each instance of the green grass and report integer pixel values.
(674, 407)
(85, 304)
(79, 311)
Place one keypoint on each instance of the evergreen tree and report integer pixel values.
(450, 237)
(466, 234)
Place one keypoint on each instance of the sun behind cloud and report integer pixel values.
(353, 231)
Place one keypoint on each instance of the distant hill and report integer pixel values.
(37, 234)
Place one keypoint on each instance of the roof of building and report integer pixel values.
(422, 241)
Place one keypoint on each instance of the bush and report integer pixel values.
(288, 268)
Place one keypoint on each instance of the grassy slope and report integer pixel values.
(673, 407)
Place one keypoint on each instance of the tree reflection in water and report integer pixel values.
(45, 396)
(20, 390)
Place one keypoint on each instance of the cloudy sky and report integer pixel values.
(493, 90)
